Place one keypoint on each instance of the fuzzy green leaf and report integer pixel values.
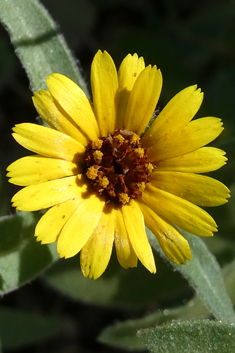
(21, 257)
(205, 276)
(229, 279)
(19, 329)
(200, 336)
(123, 334)
(40, 47)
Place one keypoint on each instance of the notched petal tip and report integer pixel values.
(49, 78)
(61, 254)
(16, 205)
(16, 127)
(65, 253)
(11, 180)
(155, 71)
(196, 89)
(39, 238)
(85, 269)
(214, 230)
(40, 93)
(192, 89)
(99, 54)
(152, 269)
(86, 272)
(55, 77)
(186, 255)
(227, 197)
(189, 256)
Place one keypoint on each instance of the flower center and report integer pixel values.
(117, 167)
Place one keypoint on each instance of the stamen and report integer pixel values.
(96, 144)
(119, 139)
(134, 140)
(149, 167)
(92, 173)
(104, 182)
(139, 152)
(123, 198)
(98, 156)
(141, 186)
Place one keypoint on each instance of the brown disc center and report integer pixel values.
(117, 167)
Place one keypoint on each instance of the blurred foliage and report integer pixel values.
(117, 287)
(191, 42)
(19, 329)
(21, 257)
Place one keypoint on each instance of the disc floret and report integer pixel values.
(118, 167)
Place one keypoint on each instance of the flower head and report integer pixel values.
(103, 178)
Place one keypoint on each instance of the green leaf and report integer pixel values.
(21, 257)
(190, 337)
(19, 329)
(123, 334)
(229, 279)
(204, 275)
(117, 287)
(41, 49)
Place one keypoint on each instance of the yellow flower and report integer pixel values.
(103, 180)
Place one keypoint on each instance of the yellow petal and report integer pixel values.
(180, 212)
(80, 226)
(203, 160)
(178, 112)
(96, 253)
(38, 169)
(104, 85)
(56, 117)
(173, 244)
(48, 142)
(125, 253)
(74, 101)
(192, 136)
(50, 193)
(128, 72)
(51, 223)
(198, 189)
(134, 223)
(143, 99)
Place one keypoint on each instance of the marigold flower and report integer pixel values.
(103, 179)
